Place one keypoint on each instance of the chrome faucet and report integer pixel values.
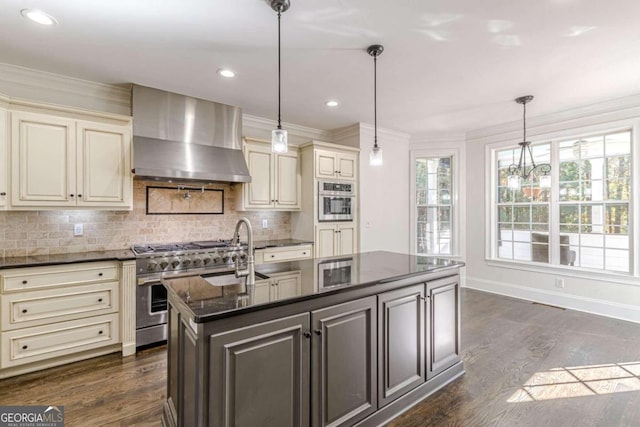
(249, 272)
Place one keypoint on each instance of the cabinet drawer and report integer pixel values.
(25, 309)
(288, 253)
(22, 279)
(58, 339)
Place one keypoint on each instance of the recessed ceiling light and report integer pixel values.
(225, 72)
(332, 103)
(38, 16)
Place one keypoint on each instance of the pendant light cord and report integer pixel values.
(279, 77)
(375, 101)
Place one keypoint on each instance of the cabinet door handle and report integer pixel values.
(306, 334)
(24, 310)
(318, 332)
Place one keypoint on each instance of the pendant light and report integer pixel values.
(375, 158)
(279, 135)
(522, 171)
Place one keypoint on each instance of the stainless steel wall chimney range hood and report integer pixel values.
(177, 137)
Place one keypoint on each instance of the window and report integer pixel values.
(589, 226)
(434, 205)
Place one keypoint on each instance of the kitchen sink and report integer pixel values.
(228, 279)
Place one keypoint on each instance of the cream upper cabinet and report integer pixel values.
(333, 164)
(43, 159)
(275, 179)
(4, 150)
(104, 165)
(62, 162)
(335, 239)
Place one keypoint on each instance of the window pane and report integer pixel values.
(434, 205)
(594, 189)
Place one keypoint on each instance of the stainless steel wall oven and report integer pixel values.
(336, 201)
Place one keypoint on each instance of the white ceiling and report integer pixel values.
(449, 66)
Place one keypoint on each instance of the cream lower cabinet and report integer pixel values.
(283, 253)
(278, 286)
(51, 315)
(335, 239)
(62, 162)
(275, 179)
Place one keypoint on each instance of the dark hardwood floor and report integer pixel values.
(526, 365)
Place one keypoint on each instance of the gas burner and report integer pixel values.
(171, 258)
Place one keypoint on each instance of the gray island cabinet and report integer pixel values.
(357, 353)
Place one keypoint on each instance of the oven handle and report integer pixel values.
(142, 282)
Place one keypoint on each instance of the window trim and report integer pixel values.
(457, 233)
(491, 256)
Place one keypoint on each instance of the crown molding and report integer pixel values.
(601, 112)
(27, 83)
(387, 134)
(439, 138)
(260, 124)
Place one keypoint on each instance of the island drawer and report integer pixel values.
(285, 253)
(27, 278)
(44, 342)
(33, 308)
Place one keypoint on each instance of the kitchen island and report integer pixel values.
(355, 341)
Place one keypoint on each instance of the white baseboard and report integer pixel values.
(615, 310)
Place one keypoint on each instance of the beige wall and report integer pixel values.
(51, 232)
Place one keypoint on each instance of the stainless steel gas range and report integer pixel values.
(156, 261)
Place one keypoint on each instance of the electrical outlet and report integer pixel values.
(559, 283)
(78, 229)
(265, 223)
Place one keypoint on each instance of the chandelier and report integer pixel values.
(521, 172)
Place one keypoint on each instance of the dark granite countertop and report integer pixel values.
(214, 297)
(263, 244)
(39, 260)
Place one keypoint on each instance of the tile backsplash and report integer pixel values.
(51, 232)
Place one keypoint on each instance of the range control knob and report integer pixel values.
(197, 261)
(225, 258)
(243, 256)
(206, 260)
(152, 265)
(163, 264)
(186, 262)
(234, 257)
(175, 262)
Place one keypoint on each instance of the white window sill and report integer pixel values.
(566, 271)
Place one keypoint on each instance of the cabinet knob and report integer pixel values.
(273, 256)
(24, 347)
(318, 332)
(70, 195)
(79, 195)
(307, 334)
(99, 332)
(304, 253)
(3, 194)
(100, 274)
(24, 282)
(24, 310)
(99, 299)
